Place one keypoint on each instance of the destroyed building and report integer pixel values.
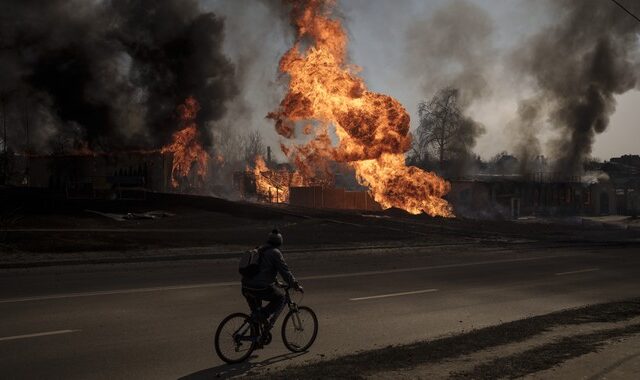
(612, 187)
(624, 173)
(123, 175)
(511, 197)
(276, 183)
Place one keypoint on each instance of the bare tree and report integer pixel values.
(25, 118)
(439, 122)
(420, 156)
(229, 144)
(253, 147)
(4, 169)
(444, 133)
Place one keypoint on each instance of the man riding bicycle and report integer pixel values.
(239, 334)
(262, 286)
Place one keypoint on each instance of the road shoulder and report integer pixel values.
(532, 347)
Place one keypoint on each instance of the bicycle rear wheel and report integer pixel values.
(235, 338)
(299, 329)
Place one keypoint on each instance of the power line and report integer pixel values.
(626, 10)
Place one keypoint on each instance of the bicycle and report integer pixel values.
(239, 334)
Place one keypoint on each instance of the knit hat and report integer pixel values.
(275, 238)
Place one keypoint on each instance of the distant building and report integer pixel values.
(624, 173)
(510, 198)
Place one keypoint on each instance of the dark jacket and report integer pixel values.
(271, 264)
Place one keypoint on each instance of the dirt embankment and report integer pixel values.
(41, 223)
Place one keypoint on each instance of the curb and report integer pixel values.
(235, 254)
(200, 256)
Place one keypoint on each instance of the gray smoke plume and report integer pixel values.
(112, 72)
(578, 65)
(524, 131)
(261, 34)
(452, 48)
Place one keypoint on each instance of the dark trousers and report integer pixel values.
(272, 294)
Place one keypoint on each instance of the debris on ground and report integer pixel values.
(133, 215)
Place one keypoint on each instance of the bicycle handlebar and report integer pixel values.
(288, 287)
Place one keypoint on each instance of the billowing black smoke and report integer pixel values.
(579, 64)
(110, 72)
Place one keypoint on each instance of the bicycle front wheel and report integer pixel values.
(235, 338)
(299, 329)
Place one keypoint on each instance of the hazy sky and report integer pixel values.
(378, 31)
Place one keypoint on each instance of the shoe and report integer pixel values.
(266, 339)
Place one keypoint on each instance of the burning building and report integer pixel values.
(266, 183)
(120, 175)
(106, 78)
(281, 183)
(181, 166)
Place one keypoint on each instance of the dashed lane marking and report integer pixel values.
(578, 271)
(394, 295)
(35, 335)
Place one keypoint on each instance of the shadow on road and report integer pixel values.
(226, 371)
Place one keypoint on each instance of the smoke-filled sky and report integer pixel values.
(558, 77)
(411, 48)
(109, 74)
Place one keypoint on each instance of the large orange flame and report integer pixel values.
(372, 128)
(186, 148)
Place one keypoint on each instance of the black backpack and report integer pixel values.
(250, 260)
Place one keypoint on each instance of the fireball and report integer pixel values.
(372, 128)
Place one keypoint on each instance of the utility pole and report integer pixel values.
(27, 178)
(26, 125)
(5, 158)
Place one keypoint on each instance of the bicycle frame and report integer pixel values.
(239, 335)
(294, 307)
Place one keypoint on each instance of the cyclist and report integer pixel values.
(262, 286)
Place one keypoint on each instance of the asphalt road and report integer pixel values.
(157, 320)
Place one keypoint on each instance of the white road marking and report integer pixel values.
(58, 332)
(318, 277)
(172, 230)
(394, 295)
(578, 271)
(420, 269)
